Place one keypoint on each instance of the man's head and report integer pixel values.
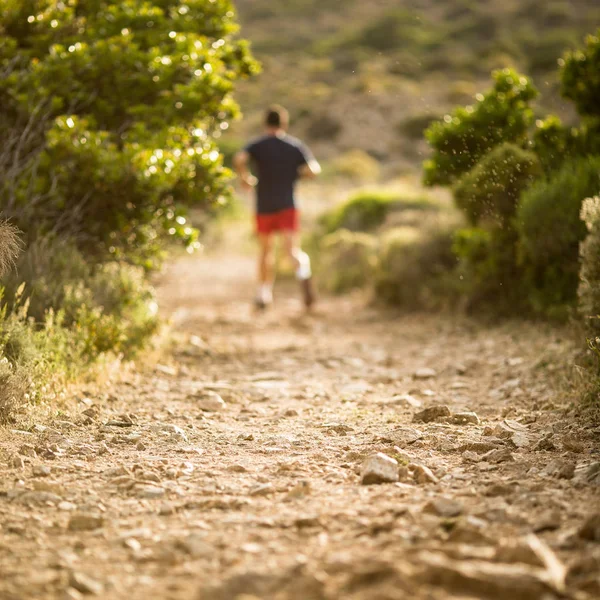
(277, 117)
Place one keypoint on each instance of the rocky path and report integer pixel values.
(239, 468)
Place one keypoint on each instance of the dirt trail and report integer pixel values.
(137, 493)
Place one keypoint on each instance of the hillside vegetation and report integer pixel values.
(372, 75)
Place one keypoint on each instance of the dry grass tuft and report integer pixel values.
(10, 246)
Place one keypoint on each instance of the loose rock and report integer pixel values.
(425, 373)
(379, 468)
(423, 474)
(444, 507)
(83, 522)
(433, 413)
(465, 418)
(211, 402)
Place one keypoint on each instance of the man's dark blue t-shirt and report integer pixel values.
(276, 160)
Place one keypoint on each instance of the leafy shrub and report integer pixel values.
(487, 271)
(462, 138)
(347, 260)
(354, 165)
(367, 210)
(551, 230)
(589, 276)
(491, 190)
(415, 268)
(580, 77)
(124, 115)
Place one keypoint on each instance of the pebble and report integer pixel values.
(422, 474)
(444, 507)
(405, 436)
(211, 402)
(425, 373)
(572, 444)
(85, 584)
(27, 450)
(432, 413)
(560, 469)
(150, 491)
(465, 418)
(498, 455)
(590, 530)
(16, 462)
(41, 471)
(39, 498)
(84, 522)
(514, 431)
(301, 489)
(379, 468)
(262, 490)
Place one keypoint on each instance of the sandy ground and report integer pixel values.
(235, 469)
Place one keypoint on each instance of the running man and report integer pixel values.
(279, 161)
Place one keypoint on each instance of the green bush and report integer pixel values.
(580, 77)
(464, 137)
(367, 210)
(415, 268)
(347, 260)
(488, 274)
(550, 229)
(491, 190)
(355, 165)
(124, 101)
(589, 275)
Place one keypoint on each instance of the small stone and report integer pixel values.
(425, 373)
(592, 474)
(307, 522)
(560, 469)
(27, 450)
(498, 455)
(16, 462)
(39, 498)
(550, 521)
(301, 489)
(140, 446)
(405, 436)
(66, 506)
(405, 400)
(479, 447)
(150, 491)
(590, 530)
(499, 489)
(423, 474)
(470, 457)
(433, 413)
(545, 444)
(465, 418)
(515, 432)
(290, 412)
(85, 584)
(444, 507)
(211, 402)
(237, 469)
(262, 490)
(572, 444)
(84, 522)
(379, 468)
(41, 471)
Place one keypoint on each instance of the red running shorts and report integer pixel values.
(284, 220)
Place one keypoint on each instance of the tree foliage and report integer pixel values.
(462, 138)
(125, 99)
(580, 77)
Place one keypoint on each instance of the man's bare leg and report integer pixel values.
(301, 262)
(265, 270)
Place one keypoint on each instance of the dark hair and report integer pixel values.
(277, 116)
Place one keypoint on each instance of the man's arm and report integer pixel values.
(240, 163)
(310, 169)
